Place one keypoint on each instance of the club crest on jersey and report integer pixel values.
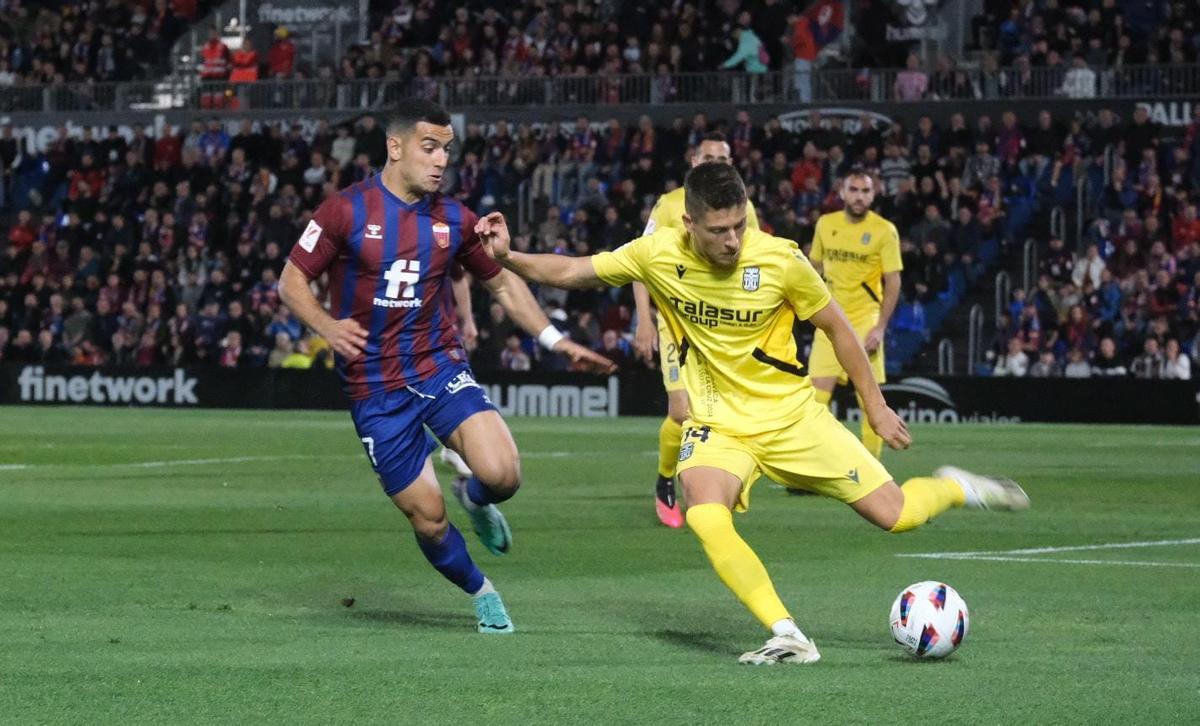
(441, 234)
(373, 231)
(750, 279)
(866, 238)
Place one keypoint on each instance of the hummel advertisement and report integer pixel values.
(917, 399)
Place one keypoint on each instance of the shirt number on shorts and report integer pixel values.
(370, 444)
(698, 433)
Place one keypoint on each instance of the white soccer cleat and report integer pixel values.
(451, 459)
(782, 649)
(985, 492)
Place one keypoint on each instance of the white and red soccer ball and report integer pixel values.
(929, 619)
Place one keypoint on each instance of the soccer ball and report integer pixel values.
(929, 619)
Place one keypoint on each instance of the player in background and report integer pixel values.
(858, 253)
(651, 334)
(752, 408)
(387, 244)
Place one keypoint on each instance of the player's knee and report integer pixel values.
(501, 475)
(428, 527)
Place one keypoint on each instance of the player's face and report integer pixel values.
(422, 154)
(717, 234)
(712, 151)
(858, 193)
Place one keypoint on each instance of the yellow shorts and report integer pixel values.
(668, 359)
(816, 453)
(823, 363)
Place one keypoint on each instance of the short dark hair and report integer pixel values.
(412, 111)
(857, 170)
(715, 136)
(712, 185)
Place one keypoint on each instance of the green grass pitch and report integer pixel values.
(190, 567)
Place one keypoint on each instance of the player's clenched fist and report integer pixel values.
(890, 427)
(346, 337)
(493, 233)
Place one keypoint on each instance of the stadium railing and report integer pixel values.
(1155, 81)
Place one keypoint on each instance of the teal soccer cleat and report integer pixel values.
(493, 618)
(488, 522)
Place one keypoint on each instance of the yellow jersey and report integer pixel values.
(668, 212)
(855, 258)
(736, 353)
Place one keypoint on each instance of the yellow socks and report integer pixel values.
(736, 564)
(926, 498)
(871, 440)
(669, 435)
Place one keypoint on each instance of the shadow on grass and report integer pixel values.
(416, 618)
(699, 642)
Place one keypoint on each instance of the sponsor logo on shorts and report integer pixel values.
(461, 381)
(685, 451)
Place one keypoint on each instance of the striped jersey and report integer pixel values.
(390, 266)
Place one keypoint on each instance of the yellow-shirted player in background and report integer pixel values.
(730, 296)
(668, 213)
(858, 253)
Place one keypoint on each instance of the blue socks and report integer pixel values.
(450, 558)
(481, 495)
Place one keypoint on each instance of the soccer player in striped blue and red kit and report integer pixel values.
(387, 246)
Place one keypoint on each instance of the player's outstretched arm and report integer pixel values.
(645, 340)
(513, 295)
(466, 316)
(849, 351)
(557, 270)
(346, 336)
(891, 296)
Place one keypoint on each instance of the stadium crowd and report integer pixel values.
(167, 250)
(89, 40)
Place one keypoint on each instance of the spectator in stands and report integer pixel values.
(1046, 367)
(1106, 362)
(1176, 364)
(1077, 365)
(804, 52)
(514, 357)
(281, 58)
(911, 83)
(1014, 363)
(1088, 267)
(1150, 363)
(1080, 81)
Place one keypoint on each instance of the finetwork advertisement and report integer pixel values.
(638, 392)
(38, 387)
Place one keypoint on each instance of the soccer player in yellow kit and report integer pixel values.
(858, 253)
(668, 212)
(730, 296)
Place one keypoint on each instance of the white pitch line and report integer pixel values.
(281, 457)
(1049, 550)
(997, 558)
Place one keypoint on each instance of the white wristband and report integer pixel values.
(549, 337)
